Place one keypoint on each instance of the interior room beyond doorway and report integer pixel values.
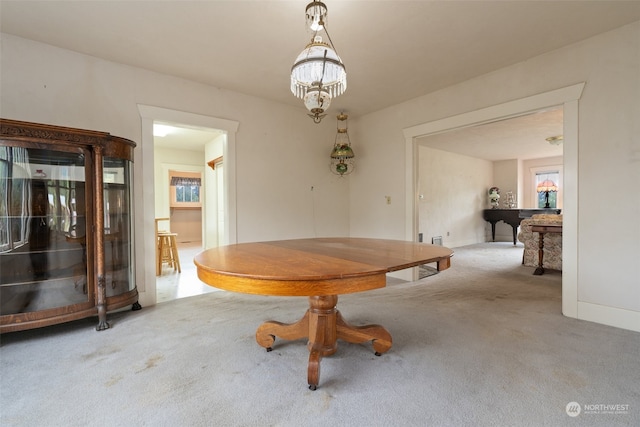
(186, 203)
(171, 285)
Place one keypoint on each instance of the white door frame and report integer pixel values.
(567, 97)
(144, 204)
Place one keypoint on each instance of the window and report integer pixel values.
(187, 193)
(185, 189)
(547, 185)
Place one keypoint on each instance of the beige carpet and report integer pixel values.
(481, 344)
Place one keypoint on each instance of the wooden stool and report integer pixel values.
(158, 253)
(168, 252)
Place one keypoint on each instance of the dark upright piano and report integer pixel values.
(512, 217)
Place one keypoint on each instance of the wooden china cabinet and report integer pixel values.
(66, 225)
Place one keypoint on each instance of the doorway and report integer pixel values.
(150, 205)
(182, 195)
(567, 97)
(470, 160)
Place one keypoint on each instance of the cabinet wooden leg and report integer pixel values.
(102, 304)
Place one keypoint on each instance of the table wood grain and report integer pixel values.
(320, 269)
(307, 267)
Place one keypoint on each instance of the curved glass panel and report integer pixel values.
(118, 226)
(43, 250)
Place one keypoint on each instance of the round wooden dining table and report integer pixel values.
(320, 269)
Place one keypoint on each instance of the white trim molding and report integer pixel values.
(567, 97)
(612, 316)
(144, 200)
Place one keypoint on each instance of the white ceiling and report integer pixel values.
(185, 138)
(517, 138)
(393, 50)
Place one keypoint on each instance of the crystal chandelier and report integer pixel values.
(342, 155)
(318, 74)
(555, 140)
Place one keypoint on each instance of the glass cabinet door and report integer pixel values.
(43, 229)
(118, 244)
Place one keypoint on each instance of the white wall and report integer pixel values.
(166, 159)
(505, 177)
(187, 223)
(212, 150)
(607, 160)
(452, 189)
(280, 152)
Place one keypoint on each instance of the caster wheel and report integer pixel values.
(269, 349)
(378, 353)
(313, 387)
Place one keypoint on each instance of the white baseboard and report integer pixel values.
(611, 316)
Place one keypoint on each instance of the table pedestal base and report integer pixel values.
(323, 325)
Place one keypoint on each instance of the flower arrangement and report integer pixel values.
(494, 197)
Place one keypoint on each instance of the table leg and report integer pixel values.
(323, 324)
(540, 270)
(267, 332)
(378, 335)
(322, 334)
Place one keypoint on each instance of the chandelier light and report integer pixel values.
(555, 140)
(342, 156)
(318, 74)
